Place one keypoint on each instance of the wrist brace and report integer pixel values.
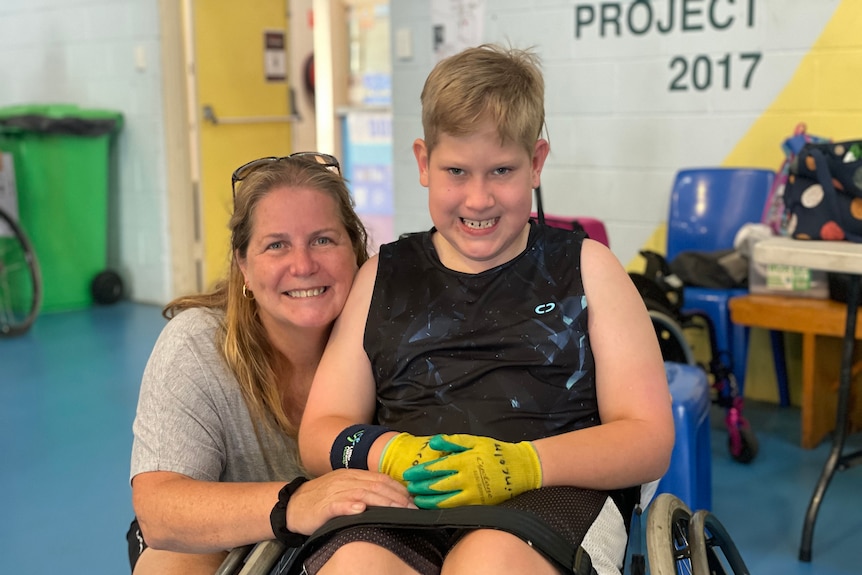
(351, 446)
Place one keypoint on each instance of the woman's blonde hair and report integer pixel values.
(487, 82)
(244, 343)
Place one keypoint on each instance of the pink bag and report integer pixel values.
(594, 228)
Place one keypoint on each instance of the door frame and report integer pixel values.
(181, 123)
(181, 150)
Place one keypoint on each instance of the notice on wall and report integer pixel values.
(369, 145)
(8, 192)
(455, 25)
(274, 56)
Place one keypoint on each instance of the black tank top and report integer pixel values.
(504, 353)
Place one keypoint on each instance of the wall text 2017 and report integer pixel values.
(702, 72)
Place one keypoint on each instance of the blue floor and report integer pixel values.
(68, 390)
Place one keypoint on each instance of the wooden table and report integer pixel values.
(841, 257)
(821, 323)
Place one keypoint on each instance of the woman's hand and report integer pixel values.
(342, 492)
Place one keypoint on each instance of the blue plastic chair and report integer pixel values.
(708, 206)
(689, 475)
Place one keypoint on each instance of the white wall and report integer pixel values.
(102, 54)
(618, 130)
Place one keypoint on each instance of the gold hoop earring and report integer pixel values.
(247, 293)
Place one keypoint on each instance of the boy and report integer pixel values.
(528, 347)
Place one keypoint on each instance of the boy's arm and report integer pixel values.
(634, 442)
(343, 392)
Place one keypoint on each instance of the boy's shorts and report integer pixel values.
(568, 510)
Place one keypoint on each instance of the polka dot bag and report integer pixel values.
(823, 195)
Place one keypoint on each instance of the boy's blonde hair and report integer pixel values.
(486, 82)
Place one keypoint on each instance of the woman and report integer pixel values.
(223, 392)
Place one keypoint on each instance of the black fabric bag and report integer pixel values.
(823, 196)
(721, 269)
(660, 289)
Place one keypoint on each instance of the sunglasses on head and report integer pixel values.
(325, 160)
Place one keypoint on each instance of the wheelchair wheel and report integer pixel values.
(107, 287)
(713, 552)
(264, 558)
(234, 560)
(668, 549)
(742, 443)
(671, 340)
(20, 281)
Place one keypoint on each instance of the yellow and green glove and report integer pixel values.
(403, 452)
(477, 471)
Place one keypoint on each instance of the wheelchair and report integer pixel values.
(663, 296)
(20, 279)
(678, 541)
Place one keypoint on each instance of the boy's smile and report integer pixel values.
(479, 225)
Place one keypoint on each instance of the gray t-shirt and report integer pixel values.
(192, 418)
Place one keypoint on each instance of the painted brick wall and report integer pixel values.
(637, 90)
(102, 54)
(618, 131)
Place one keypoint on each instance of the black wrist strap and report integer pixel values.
(351, 446)
(278, 516)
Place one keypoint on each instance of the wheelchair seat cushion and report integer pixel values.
(554, 520)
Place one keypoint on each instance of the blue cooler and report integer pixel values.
(689, 476)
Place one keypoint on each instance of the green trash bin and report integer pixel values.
(61, 157)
